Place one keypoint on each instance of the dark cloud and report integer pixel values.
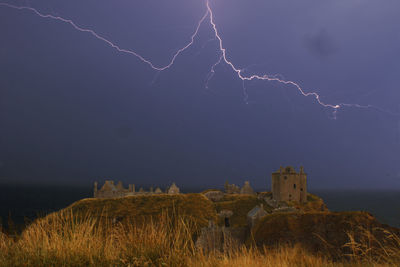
(321, 44)
(124, 132)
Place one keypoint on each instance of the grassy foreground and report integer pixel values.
(66, 241)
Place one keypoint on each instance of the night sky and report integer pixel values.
(74, 110)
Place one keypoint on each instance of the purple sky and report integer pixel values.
(75, 110)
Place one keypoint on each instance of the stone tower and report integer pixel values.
(288, 185)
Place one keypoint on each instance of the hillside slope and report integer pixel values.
(324, 231)
(138, 209)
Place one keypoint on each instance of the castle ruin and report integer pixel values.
(255, 215)
(173, 189)
(234, 189)
(288, 185)
(110, 190)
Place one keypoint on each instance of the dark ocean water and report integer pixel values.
(25, 203)
(384, 205)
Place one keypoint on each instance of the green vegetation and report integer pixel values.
(65, 241)
(324, 232)
(161, 230)
(143, 208)
(240, 205)
(313, 204)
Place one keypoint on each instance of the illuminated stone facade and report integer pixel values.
(288, 185)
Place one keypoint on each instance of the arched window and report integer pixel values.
(294, 186)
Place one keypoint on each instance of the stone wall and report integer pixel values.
(288, 185)
(110, 190)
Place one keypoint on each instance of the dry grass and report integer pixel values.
(65, 241)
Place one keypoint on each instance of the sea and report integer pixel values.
(21, 204)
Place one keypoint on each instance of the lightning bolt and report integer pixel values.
(223, 58)
(110, 43)
(274, 78)
(267, 77)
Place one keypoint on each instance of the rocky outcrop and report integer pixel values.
(326, 232)
(214, 238)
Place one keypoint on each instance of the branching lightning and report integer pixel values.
(223, 58)
(110, 43)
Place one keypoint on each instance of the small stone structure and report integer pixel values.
(226, 215)
(110, 190)
(234, 189)
(158, 191)
(231, 188)
(246, 189)
(288, 185)
(173, 189)
(255, 215)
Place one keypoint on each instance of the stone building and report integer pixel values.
(225, 215)
(158, 191)
(246, 189)
(231, 188)
(234, 189)
(255, 215)
(288, 185)
(110, 190)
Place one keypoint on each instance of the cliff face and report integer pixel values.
(324, 232)
(319, 231)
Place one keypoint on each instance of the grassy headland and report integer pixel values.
(161, 230)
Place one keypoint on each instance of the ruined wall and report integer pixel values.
(110, 190)
(247, 189)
